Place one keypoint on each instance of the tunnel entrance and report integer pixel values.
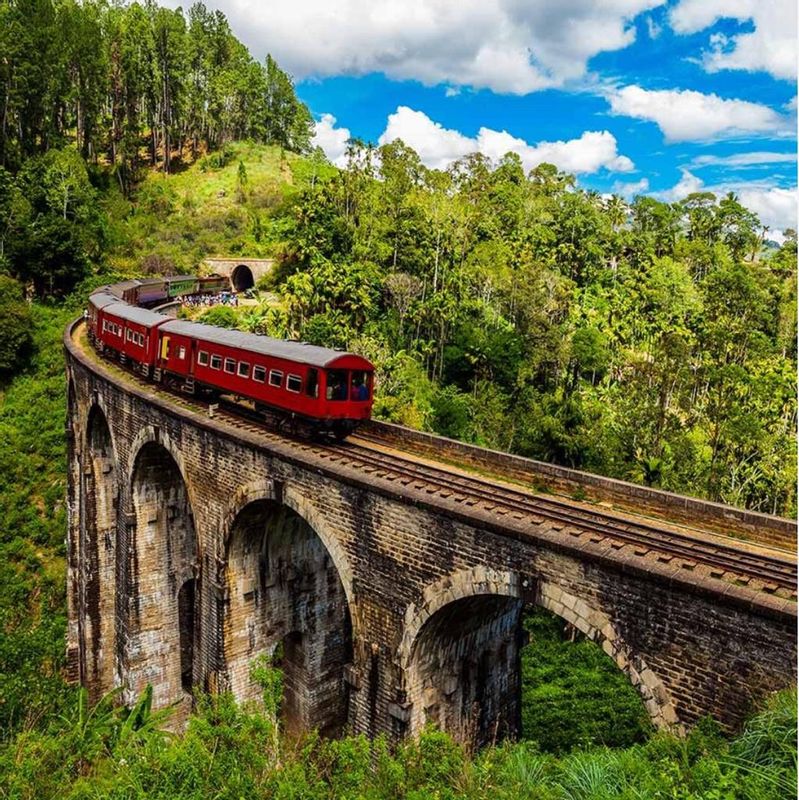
(242, 278)
(162, 645)
(286, 597)
(99, 547)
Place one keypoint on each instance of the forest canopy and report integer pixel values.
(645, 340)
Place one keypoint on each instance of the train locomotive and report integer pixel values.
(310, 389)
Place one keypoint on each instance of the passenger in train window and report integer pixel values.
(360, 390)
(336, 385)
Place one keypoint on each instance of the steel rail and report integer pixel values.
(774, 571)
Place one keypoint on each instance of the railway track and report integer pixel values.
(760, 568)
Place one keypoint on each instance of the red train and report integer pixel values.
(328, 391)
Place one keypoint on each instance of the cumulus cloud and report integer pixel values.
(771, 46)
(683, 114)
(774, 205)
(688, 184)
(438, 146)
(509, 46)
(331, 139)
(630, 190)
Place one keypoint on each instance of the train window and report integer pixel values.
(230, 365)
(105, 326)
(216, 362)
(336, 384)
(294, 383)
(244, 369)
(312, 384)
(202, 358)
(275, 378)
(259, 374)
(359, 385)
(128, 334)
(181, 352)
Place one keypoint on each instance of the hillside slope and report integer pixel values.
(228, 202)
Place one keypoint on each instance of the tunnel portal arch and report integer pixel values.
(242, 278)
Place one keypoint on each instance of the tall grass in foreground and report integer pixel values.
(229, 752)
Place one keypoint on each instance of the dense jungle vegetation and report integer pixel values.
(648, 341)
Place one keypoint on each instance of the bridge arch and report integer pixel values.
(297, 502)
(597, 626)
(242, 278)
(476, 613)
(99, 546)
(284, 592)
(459, 655)
(163, 575)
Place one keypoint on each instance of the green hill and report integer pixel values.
(228, 202)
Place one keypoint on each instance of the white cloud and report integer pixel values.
(331, 139)
(630, 190)
(683, 114)
(438, 146)
(770, 47)
(774, 205)
(509, 46)
(742, 160)
(653, 29)
(688, 184)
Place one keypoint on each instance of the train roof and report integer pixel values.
(102, 299)
(118, 289)
(181, 278)
(141, 316)
(299, 352)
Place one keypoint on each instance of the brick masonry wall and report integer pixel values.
(392, 561)
(693, 511)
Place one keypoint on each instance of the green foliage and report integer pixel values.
(232, 752)
(33, 521)
(573, 694)
(120, 77)
(16, 339)
(221, 316)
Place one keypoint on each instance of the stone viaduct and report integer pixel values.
(196, 546)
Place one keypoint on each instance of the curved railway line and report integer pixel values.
(757, 567)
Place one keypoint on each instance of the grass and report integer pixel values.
(205, 210)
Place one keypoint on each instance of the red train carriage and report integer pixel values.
(330, 387)
(131, 332)
(128, 291)
(97, 302)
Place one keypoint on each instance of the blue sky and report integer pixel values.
(634, 96)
